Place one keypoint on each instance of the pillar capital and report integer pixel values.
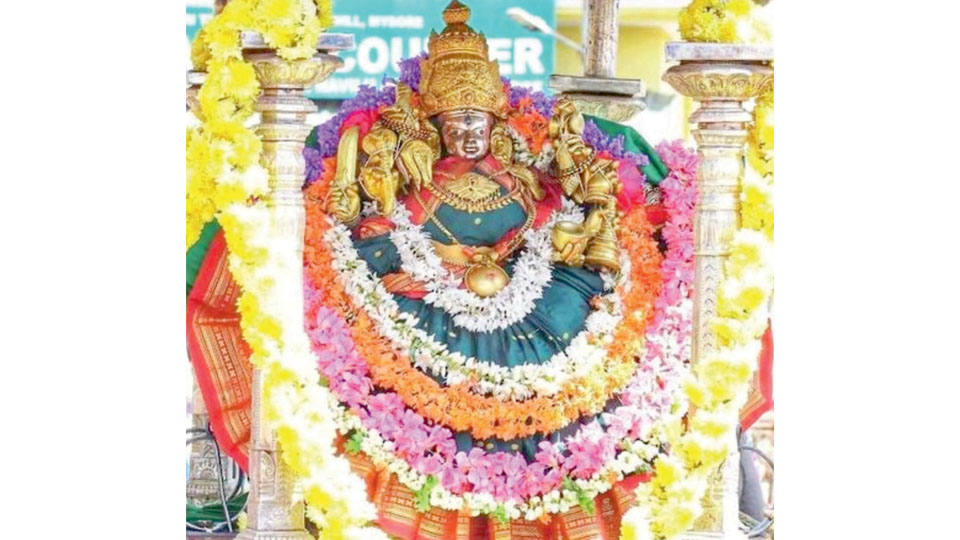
(617, 100)
(274, 72)
(721, 76)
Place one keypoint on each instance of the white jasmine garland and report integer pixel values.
(524, 156)
(585, 350)
(661, 406)
(531, 274)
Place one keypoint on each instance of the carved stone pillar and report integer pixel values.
(272, 510)
(721, 77)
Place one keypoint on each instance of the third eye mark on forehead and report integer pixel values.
(478, 129)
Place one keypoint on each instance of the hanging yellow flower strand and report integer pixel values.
(718, 384)
(226, 181)
(223, 154)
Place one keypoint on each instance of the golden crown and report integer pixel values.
(457, 73)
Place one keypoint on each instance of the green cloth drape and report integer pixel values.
(656, 171)
(198, 251)
(213, 512)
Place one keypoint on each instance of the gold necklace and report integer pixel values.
(483, 276)
(471, 206)
(472, 193)
(511, 246)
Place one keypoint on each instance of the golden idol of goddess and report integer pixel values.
(446, 156)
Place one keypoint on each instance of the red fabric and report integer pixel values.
(397, 515)
(218, 353)
(373, 226)
(401, 283)
(364, 119)
(657, 214)
(760, 399)
(632, 191)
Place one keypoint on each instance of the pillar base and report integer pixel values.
(617, 100)
(251, 534)
(199, 535)
(203, 484)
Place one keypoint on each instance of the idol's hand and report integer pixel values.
(572, 253)
(416, 163)
(529, 181)
(569, 242)
(381, 185)
(344, 203)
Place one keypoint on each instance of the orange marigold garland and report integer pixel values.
(455, 406)
(530, 124)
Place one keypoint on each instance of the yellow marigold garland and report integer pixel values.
(225, 180)
(718, 384)
(222, 154)
(724, 21)
(760, 138)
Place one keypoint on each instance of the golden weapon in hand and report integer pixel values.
(344, 200)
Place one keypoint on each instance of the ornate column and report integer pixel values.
(598, 91)
(272, 510)
(721, 77)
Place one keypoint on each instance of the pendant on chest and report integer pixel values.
(484, 277)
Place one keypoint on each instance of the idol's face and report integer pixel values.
(466, 133)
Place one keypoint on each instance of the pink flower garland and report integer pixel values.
(431, 450)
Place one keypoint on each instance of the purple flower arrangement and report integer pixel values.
(410, 71)
(600, 141)
(541, 102)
